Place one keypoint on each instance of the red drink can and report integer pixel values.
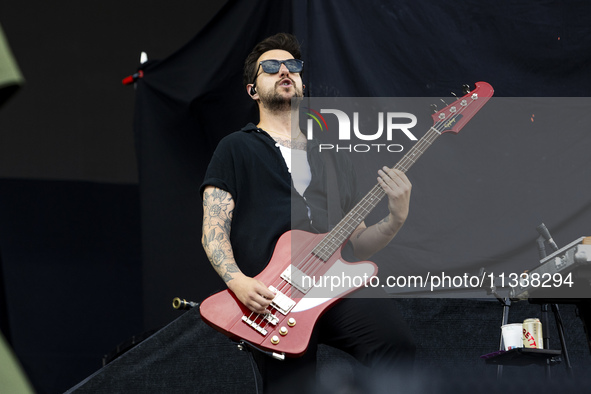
(532, 334)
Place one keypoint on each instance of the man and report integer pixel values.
(252, 194)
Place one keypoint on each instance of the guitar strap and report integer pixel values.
(333, 200)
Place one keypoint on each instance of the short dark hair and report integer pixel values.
(284, 41)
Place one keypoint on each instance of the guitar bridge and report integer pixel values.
(254, 325)
(281, 302)
(269, 317)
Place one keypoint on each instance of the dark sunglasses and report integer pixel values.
(272, 66)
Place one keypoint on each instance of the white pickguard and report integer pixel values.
(330, 288)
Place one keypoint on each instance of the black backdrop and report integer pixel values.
(70, 246)
(477, 197)
(71, 250)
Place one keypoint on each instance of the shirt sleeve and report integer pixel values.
(221, 170)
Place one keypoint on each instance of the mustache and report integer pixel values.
(299, 91)
(284, 78)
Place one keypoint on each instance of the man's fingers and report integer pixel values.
(264, 291)
(390, 175)
(394, 178)
(258, 308)
(260, 298)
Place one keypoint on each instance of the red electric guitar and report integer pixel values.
(304, 266)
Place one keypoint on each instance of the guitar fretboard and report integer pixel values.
(343, 230)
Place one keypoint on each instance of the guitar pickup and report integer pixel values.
(294, 277)
(281, 302)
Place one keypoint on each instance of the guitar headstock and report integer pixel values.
(452, 118)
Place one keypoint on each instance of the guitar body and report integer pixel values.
(224, 312)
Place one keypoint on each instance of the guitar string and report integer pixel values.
(316, 263)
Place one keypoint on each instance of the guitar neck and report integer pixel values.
(343, 230)
(450, 119)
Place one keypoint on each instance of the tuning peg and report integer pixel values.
(465, 88)
(434, 108)
(443, 101)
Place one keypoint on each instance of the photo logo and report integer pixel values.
(388, 124)
(315, 117)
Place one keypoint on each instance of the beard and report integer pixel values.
(276, 102)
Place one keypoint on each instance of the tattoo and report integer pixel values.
(215, 210)
(385, 220)
(219, 194)
(228, 224)
(387, 229)
(217, 223)
(217, 257)
(361, 232)
(232, 268)
(227, 277)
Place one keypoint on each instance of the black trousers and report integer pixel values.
(371, 330)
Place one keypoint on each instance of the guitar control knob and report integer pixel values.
(275, 340)
(283, 330)
(291, 322)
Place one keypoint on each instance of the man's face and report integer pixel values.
(276, 90)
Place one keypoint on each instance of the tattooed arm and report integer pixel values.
(369, 240)
(218, 209)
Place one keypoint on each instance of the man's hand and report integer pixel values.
(397, 188)
(368, 240)
(251, 292)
